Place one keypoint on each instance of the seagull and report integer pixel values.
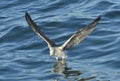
(58, 51)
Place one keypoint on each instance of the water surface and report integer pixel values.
(25, 57)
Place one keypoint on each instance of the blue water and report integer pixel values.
(25, 57)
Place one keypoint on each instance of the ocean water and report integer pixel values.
(24, 56)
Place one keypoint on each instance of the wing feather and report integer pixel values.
(37, 31)
(81, 34)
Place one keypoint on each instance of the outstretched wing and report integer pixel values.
(80, 35)
(37, 31)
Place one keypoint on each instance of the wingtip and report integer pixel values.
(26, 13)
(99, 17)
(27, 16)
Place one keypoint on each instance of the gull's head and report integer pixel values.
(52, 52)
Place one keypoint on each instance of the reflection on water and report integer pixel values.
(60, 67)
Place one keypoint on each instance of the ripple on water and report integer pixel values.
(25, 56)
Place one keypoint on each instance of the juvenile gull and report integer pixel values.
(77, 37)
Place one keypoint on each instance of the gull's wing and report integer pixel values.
(80, 35)
(37, 31)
